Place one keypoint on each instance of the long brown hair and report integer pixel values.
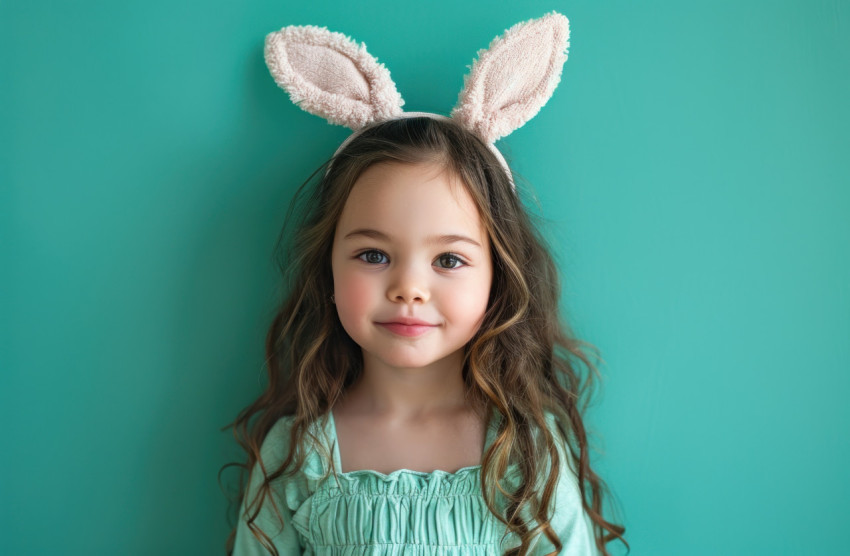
(523, 361)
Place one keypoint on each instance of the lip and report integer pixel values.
(407, 327)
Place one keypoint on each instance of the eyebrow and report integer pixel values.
(444, 239)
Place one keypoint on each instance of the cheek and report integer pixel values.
(469, 303)
(354, 294)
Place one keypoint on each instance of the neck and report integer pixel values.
(409, 393)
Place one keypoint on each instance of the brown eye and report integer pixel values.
(449, 260)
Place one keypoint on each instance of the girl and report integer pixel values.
(423, 395)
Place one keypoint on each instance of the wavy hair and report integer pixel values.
(523, 361)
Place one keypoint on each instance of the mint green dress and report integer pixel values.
(408, 513)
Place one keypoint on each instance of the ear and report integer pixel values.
(329, 75)
(514, 77)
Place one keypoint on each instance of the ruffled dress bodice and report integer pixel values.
(366, 512)
(406, 512)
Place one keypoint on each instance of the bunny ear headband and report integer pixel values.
(331, 76)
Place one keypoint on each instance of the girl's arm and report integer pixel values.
(569, 521)
(285, 540)
(283, 537)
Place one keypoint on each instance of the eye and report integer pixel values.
(449, 260)
(373, 256)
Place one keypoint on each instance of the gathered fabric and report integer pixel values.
(404, 512)
(366, 512)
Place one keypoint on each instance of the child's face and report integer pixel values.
(411, 266)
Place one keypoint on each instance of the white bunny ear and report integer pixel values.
(514, 77)
(330, 75)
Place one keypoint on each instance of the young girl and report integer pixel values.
(423, 395)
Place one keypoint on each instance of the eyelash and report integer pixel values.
(460, 262)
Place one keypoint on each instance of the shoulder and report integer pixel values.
(275, 446)
(552, 421)
(560, 432)
(294, 485)
(558, 429)
(278, 434)
(313, 447)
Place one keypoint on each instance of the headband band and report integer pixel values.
(434, 116)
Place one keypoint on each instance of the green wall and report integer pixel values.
(692, 167)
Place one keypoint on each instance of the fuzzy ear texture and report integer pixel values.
(514, 77)
(330, 75)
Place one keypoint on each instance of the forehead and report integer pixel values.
(411, 197)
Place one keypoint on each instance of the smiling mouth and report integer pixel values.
(408, 330)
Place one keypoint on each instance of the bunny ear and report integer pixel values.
(330, 75)
(512, 80)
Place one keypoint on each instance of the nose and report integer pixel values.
(408, 285)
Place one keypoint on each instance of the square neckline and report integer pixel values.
(489, 438)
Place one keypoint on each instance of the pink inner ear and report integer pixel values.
(518, 72)
(514, 77)
(328, 70)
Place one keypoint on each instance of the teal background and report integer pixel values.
(692, 167)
